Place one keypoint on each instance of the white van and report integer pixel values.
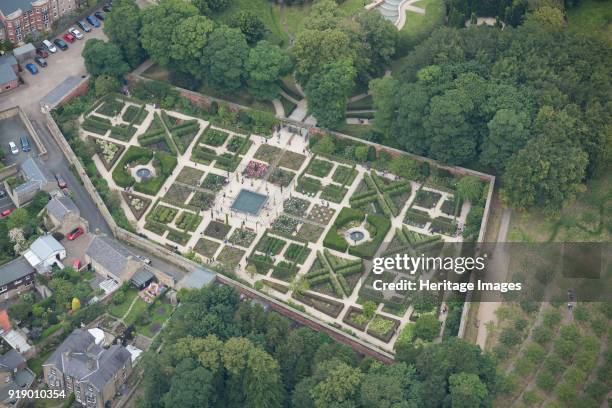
(13, 148)
(49, 46)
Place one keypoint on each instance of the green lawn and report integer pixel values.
(120, 309)
(350, 7)
(592, 17)
(137, 310)
(418, 25)
(266, 12)
(158, 314)
(294, 15)
(35, 364)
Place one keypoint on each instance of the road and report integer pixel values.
(62, 65)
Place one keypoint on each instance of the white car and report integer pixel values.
(76, 33)
(14, 148)
(144, 259)
(49, 46)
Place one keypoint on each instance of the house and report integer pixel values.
(8, 73)
(93, 373)
(108, 258)
(63, 215)
(14, 375)
(45, 252)
(20, 18)
(16, 277)
(37, 178)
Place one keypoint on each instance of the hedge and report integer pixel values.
(146, 140)
(369, 193)
(317, 272)
(337, 286)
(347, 215)
(319, 279)
(133, 154)
(367, 250)
(344, 285)
(417, 217)
(334, 241)
(350, 269)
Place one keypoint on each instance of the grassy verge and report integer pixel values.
(264, 9)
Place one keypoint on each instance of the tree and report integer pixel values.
(266, 64)
(427, 327)
(469, 188)
(380, 41)
(225, 56)
(211, 6)
(547, 172)
(20, 218)
(328, 91)
(338, 386)
(369, 309)
(188, 42)
(191, 387)
(16, 236)
(62, 291)
(508, 133)
(361, 153)
(105, 84)
(388, 386)
(250, 24)
(327, 145)
(104, 58)
(323, 15)
(122, 27)
(467, 391)
(314, 49)
(405, 167)
(158, 25)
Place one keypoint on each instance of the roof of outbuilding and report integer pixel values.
(24, 49)
(11, 360)
(8, 60)
(45, 247)
(10, 6)
(14, 270)
(142, 276)
(33, 170)
(60, 207)
(7, 74)
(112, 256)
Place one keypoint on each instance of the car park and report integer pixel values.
(60, 181)
(49, 46)
(84, 26)
(99, 15)
(69, 37)
(40, 61)
(32, 68)
(93, 21)
(41, 52)
(61, 44)
(75, 233)
(6, 213)
(14, 148)
(75, 33)
(25, 144)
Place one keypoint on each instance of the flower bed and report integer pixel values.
(291, 160)
(383, 328)
(179, 237)
(354, 317)
(344, 175)
(206, 247)
(308, 186)
(281, 177)
(296, 206)
(242, 237)
(177, 194)
(163, 214)
(188, 221)
(427, 199)
(202, 201)
(108, 152)
(214, 182)
(267, 153)
(285, 225)
(319, 168)
(217, 230)
(214, 137)
(321, 214)
(334, 193)
(190, 176)
(323, 305)
(138, 205)
(284, 271)
(230, 256)
(276, 286)
(238, 144)
(297, 253)
(270, 245)
(134, 114)
(310, 232)
(416, 218)
(110, 108)
(255, 170)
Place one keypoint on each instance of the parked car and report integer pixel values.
(69, 37)
(84, 26)
(99, 15)
(32, 68)
(41, 52)
(6, 213)
(61, 44)
(14, 148)
(49, 46)
(107, 8)
(144, 259)
(60, 181)
(93, 21)
(40, 61)
(2, 193)
(25, 144)
(75, 233)
(76, 33)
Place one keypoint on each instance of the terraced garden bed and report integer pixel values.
(216, 229)
(206, 247)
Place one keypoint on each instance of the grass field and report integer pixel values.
(294, 15)
(419, 25)
(120, 309)
(137, 310)
(588, 219)
(592, 17)
(266, 12)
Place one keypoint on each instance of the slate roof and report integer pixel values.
(10, 6)
(78, 356)
(23, 50)
(60, 207)
(34, 170)
(142, 276)
(11, 360)
(8, 60)
(14, 270)
(198, 278)
(43, 248)
(109, 254)
(57, 94)
(7, 74)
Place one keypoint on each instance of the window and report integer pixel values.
(28, 277)
(18, 282)
(3, 289)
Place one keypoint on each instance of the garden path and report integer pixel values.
(278, 107)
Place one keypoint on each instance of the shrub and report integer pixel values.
(427, 327)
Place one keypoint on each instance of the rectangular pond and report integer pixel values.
(249, 202)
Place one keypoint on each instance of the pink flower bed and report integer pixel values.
(255, 169)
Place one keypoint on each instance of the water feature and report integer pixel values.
(143, 173)
(249, 202)
(357, 235)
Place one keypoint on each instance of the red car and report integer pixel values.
(75, 233)
(61, 183)
(42, 53)
(6, 213)
(69, 37)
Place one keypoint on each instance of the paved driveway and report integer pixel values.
(11, 129)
